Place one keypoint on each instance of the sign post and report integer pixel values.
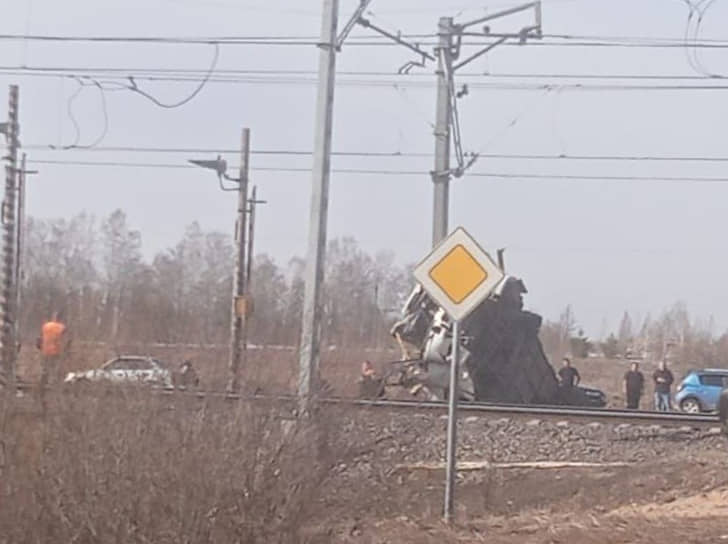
(452, 426)
(458, 275)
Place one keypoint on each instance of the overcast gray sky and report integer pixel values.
(602, 246)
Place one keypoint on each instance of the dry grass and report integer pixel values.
(126, 466)
(271, 370)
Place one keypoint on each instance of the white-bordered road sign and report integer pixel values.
(458, 274)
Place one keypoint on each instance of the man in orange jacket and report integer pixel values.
(53, 343)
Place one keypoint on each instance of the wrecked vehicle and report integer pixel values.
(125, 370)
(502, 359)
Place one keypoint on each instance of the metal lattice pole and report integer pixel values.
(8, 348)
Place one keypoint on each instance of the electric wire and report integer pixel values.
(392, 82)
(396, 154)
(394, 172)
(124, 71)
(82, 83)
(548, 40)
(72, 117)
(702, 10)
(135, 88)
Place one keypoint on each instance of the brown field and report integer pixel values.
(123, 466)
(275, 370)
(113, 466)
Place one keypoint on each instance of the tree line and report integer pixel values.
(674, 335)
(94, 272)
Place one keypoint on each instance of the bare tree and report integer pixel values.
(121, 259)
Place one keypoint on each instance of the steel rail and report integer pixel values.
(480, 409)
(568, 413)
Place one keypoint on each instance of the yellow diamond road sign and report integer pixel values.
(458, 274)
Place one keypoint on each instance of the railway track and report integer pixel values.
(477, 409)
(560, 413)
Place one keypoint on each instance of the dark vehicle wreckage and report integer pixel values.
(502, 359)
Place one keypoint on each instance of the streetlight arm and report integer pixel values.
(219, 166)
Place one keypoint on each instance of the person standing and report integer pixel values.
(663, 382)
(634, 386)
(568, 375)
(569, 378)
(53, 343)
(188, 376)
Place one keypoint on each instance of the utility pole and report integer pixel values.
(238, 321)
(8, 347)
(447, 130)
(447, 125)
(310, 349)
(441, 174)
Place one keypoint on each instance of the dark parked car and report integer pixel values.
(582, 395)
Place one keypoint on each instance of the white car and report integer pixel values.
(126, 370)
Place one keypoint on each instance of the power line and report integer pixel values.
(285, 152)
(132, 86)
(77, 129)
(631, 39)
(549, 40)
(392, 172)
(100, 71)
(522, 75)
(399, 154)
(394, 82)
(167, 40)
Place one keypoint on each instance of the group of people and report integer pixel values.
(634, 387)
(634, 384)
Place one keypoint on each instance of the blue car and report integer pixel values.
(700, 390)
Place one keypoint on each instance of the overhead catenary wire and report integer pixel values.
(548, 40)
(394, 172)
(397, 154)
(391, 83)
(124, 71)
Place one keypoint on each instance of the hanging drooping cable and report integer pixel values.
(135, 88)
(84, 82)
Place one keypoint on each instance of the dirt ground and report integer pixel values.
(677, 497)
(673, 489)
(642, 484)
